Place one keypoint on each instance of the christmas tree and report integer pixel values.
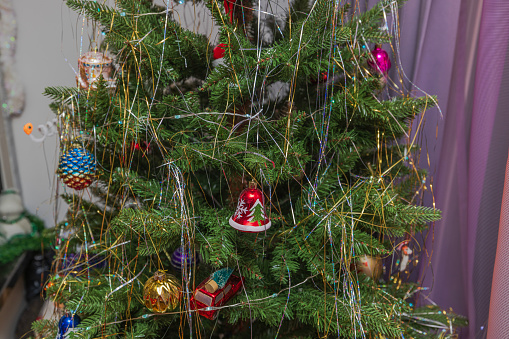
(257, 214)
(160, 145)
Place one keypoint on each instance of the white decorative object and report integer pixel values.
(14, 92)
(406, 252)
(12, 219)
(48, 129)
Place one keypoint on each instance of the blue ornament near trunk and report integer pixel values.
(67, 324)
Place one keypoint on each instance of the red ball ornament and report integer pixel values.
(141, 146)
(218, 55)
(322, 78)
(250, 215)
(219, 51)
(380, 62)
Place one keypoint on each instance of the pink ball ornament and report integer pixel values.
(380, 62)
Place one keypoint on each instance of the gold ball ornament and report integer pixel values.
(162, 292)
(370, 266)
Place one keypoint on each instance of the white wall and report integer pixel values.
(47, 45)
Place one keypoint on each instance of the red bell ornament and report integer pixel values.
(250, 215)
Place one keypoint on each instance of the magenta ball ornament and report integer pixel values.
(380, 62)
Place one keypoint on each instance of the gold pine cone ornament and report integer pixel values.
(162, 292)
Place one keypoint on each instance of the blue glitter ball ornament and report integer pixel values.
(77, 168)
(67, 324)
(179, 258)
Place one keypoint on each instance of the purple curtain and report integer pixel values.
(469, 152)
(498, 325)
(456, 49)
